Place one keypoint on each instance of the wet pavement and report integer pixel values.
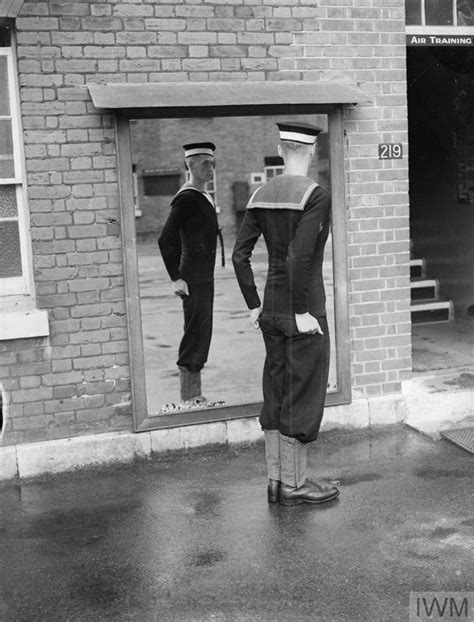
(192, 538)
(443, 345)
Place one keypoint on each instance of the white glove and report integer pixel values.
(180, 288)
(253, 317)
(307, 324)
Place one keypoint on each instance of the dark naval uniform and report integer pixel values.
(292, 213)
(188, 246)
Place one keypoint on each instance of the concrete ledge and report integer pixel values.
(387, 409)
(187, 437)
(363, 413)
(24, 324)
(427, 403)
(69, 454)
(354, 415)
(439, 401)
(243, 431)
(8, 463)
(72, 453)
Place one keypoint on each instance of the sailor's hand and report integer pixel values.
(253, 318)
(308, 324)
(180, 288)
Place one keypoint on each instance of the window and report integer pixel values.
(136, 199)
(212, 188)
(257, 178)
(20, 319)
(160, 183)
(439, 12)
(465, 13)
(14, 269)
(273, 167)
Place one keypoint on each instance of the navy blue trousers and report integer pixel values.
(196, 341)
(295, 378)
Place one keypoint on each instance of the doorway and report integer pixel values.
(440, 82)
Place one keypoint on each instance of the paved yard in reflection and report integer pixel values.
(233, 372)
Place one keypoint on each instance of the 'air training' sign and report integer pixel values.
(462, 40)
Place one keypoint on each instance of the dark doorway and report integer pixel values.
(441, 143)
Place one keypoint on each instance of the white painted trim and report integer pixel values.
(25, 283)
(12, 286)
(10, 8)
(24, 324)
(14, 115)
(257, 178)
(452, 31)
(430, 306)
(5, 181)
(423, 283)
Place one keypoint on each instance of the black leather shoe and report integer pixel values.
(309, 492)
(273, 491)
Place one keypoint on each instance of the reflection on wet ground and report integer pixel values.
(233, 372)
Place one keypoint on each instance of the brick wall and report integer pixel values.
(242, 143)
(77, 381)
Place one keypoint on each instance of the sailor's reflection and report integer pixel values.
(188, 245)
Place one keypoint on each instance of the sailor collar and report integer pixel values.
(203, 192)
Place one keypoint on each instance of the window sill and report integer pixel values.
(22, 323)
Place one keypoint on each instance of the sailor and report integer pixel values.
(292, 212)
(188, 247)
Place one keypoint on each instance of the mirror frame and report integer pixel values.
(142, 421)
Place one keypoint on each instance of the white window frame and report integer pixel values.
(136, 197)
(257, 178)
(453, 29)
(21, 285)
(276, 169)
(19, 317)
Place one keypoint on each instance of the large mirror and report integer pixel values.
(246, 156)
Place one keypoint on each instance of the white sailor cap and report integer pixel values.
(299, 132)
(193, 149)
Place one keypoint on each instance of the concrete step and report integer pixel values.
(417, 268)
(427, 311)
(440, 400)
(424, 289)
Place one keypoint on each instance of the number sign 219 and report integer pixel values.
(390, 151)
